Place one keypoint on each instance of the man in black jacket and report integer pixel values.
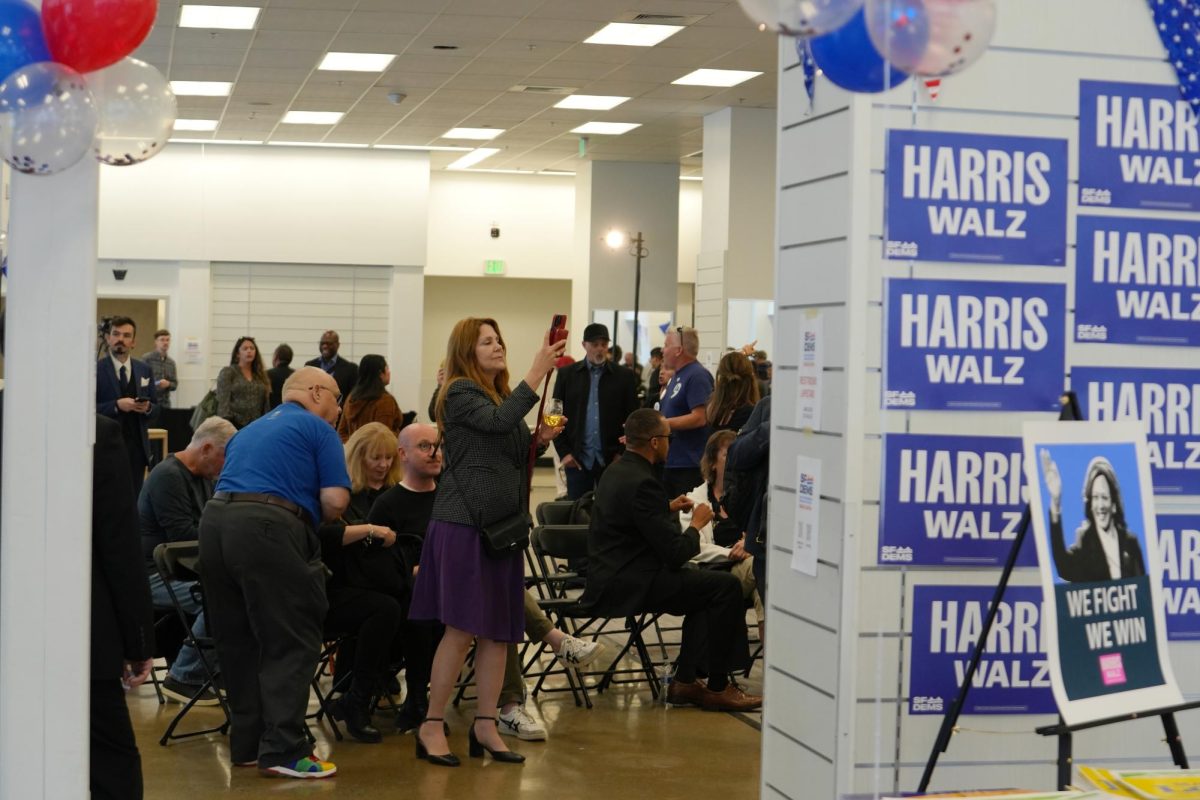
(636, 558)
(343, 371)
(597, 396)
(122, 622)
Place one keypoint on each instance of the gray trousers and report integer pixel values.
(265, 586)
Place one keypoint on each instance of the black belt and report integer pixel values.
(267, 499)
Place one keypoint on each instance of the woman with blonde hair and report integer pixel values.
(735, 391)
(485, 445)
(360, 556)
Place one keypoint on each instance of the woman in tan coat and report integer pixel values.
(369, 400)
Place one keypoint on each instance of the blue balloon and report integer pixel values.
(849, 59)
(21, 39)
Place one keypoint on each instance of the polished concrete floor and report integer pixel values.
(626, 746)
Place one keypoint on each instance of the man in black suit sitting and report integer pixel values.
(597, 396)
(343, 371)
(636, 558)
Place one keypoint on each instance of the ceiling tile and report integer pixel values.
(384, 22)
(300, 19)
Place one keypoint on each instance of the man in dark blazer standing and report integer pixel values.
(343, 371)
(597, 396)
(124, 392)
(636, 558)
(122, 620)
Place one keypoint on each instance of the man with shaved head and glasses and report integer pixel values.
(264, 580)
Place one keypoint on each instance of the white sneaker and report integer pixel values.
(519, 723)
(578, 653)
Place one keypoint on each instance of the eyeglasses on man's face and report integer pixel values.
(426, 447)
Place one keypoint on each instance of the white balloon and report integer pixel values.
(959, 34)
(899, 29)
(137, 112)
(801, 17)
(47, 118)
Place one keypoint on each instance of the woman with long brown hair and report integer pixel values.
(735, 392)
(243, 388)
(485, 444)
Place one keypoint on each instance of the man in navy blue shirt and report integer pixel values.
(683, 405)
(263, 577)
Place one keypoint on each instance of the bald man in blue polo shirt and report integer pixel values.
(262, 572)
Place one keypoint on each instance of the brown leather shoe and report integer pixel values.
(731, 698)
(682, 693)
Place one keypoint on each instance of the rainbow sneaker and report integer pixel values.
(305, 767)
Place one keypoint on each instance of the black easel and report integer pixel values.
(1069, 413)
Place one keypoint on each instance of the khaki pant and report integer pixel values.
(744, 572)
(537, 627)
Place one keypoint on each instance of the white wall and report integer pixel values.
(837, 670)
(268, 204)
(691, 202)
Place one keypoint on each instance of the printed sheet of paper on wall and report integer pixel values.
(1094, 525)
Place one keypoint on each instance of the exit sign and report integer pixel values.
(493, 267)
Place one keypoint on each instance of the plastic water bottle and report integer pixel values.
(665, 674)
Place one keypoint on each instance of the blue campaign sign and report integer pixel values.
(1167, 401)
(1179, 550)
(1013, 675)
(973, 345)
(976, 198)
(1136, 281)
(1138, 147)
(951, 500)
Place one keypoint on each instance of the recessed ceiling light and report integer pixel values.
(317, 144)
(691, 178)
(312, 117)
(483, 134)
(357, 62)
(196, 124)
(474, 157)
(607, 128)
(431, 147)
(716, 77)
(591, 102)
(201, 88)
(632, 34)
(240, 18)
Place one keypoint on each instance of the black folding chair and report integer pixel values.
(180, 561)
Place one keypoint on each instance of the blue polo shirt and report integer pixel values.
(691, 387)
(290, 453)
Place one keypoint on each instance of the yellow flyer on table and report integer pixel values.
(1161, 785)
(1105, 780)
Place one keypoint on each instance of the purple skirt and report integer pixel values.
(462, 586)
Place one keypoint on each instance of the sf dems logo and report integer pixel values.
(1005, 326)
(969, 175)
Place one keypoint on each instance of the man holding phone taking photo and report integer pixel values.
(124, 387)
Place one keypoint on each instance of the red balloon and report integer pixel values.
(88, 35)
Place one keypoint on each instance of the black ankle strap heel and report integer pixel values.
(442, 759)
(477, 748)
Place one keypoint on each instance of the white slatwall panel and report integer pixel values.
(295, 304)
(845, 634)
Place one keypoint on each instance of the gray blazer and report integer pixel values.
(485, 448)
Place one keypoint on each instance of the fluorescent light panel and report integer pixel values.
(196, 124)
(716, 77)
(474, 157)
(429, 147)
(607, 128)
(632, 34)
(241, 18)
(319, 144)
(482, 134)
(357, 62)
(591, 102)
(312, 117)
(214, 141)
(201, 88)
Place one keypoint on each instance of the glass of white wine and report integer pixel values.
(554, 412)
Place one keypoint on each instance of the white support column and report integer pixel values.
(45, 551)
